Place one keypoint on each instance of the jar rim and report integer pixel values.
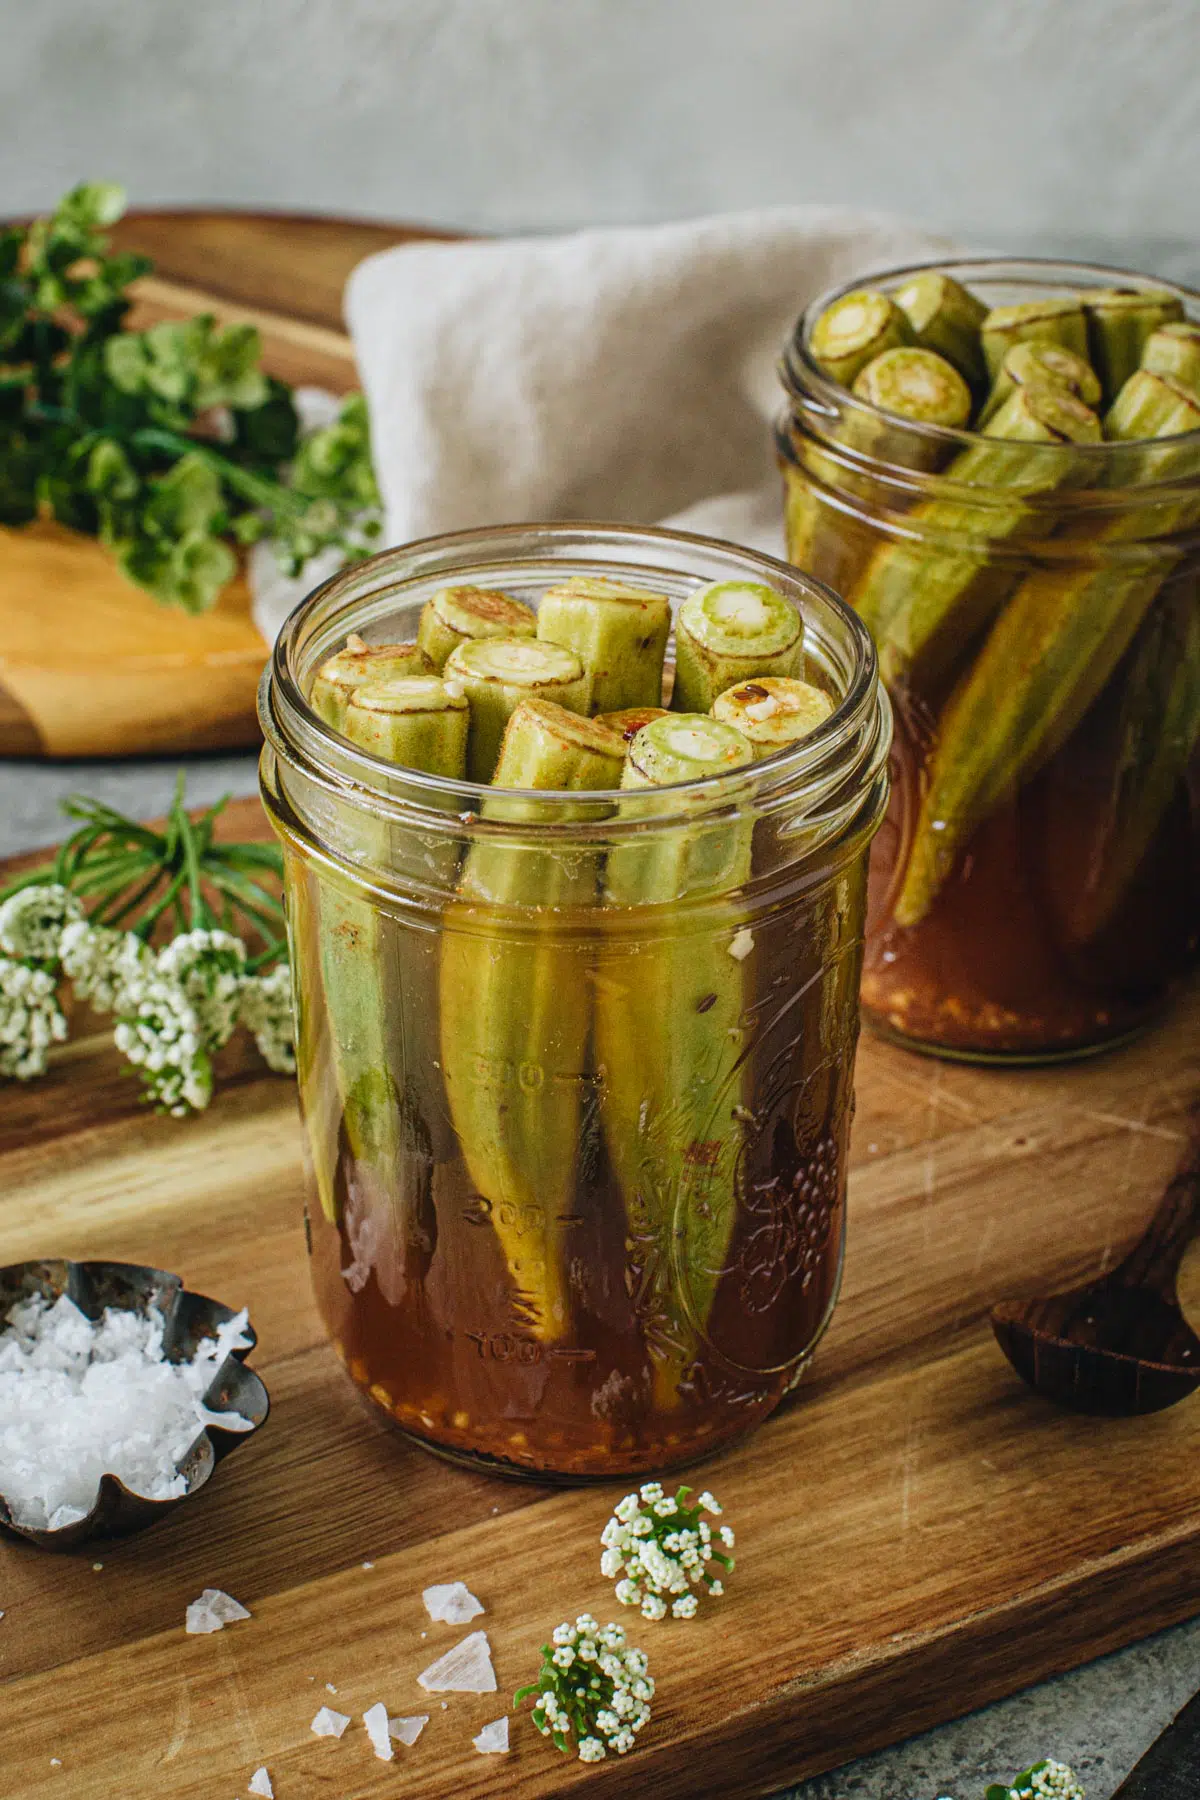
(804, 379)
(855, 735)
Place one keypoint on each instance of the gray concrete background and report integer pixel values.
(1072, 127)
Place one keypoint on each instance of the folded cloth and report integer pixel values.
(623, 374)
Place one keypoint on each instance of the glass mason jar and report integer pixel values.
(577, 1152)
(1037, 616)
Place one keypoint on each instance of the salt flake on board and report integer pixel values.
(407, 1731)
(260, 1783)
(451, 1603)
(329, 1723)
(466, 1669)
(492, 1738)
(376, 1721)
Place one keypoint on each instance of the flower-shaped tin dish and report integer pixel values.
(188, 1319)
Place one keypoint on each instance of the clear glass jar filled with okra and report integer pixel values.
(576, 894)
(998, 465)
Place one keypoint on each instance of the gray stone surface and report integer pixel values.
(1100, 1719)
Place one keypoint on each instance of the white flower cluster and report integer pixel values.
(175, 1009)
(30, 1019)
(662, 1549)
(1049, 1781)
(32, 921)
(266, 1010)
(591, 1684)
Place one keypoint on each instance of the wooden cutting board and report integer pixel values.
(917, 1534)
(89, 664)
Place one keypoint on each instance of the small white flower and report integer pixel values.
(33, 919)
(653, 1608)
(684, 1607)
(267, 1010)
(102, 965)
(565, 1634)
(665, 1507)
(627, 1593)
(716, 1589)
(607, 1722)
(611, 1563)
(564, 1656)
(162, 1036)
(31, 1019)
(651, 1491)
(627, 1509)
(623, 1742)
(591, 1750)
(727, 1537)
(208, 967)
(708, 1503)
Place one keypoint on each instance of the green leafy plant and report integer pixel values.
(172, 445)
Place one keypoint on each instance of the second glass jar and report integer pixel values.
(1034, 891)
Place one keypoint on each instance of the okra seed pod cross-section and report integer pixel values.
(496, 674)
(729, 631)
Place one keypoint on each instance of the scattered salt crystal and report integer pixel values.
(96, 1568)
(407, 1731)
(55, 1763)
(445, 1705)
(451, 1603)
(759, 710)
(368, 1565)
(260, 1783)
(492, 1738)
(80, 1399)
(376, 1721)
(213, 1611)
(329, 1723)
(329, 1688)
(741, 944)
(466, 1669)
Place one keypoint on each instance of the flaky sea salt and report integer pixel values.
(79, 1400)
(407, 1731)
(466, 1669)
(451, 1603)
(260, 1783)
(741, 944)
(376, 1721)
(492, 1738)
(213, 1611)
(329, 1723)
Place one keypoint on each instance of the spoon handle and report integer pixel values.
(1154, 1260)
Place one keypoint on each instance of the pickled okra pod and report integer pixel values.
(773, 711)
(1049, 321)
(628, 720)
(386, 1131)
(728, 631)
(358, 664)
(1049, 654)
(459, 615)
(416, 721)
(496, 674)
(618, 633)
(921, 608)
(1119, 321)
(946, 317)
(516, 1005)
(669, 1006)
(1174, 350)
(854, 329)
(918, 385)
(1035, 364)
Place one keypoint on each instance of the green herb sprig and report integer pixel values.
(171, 445)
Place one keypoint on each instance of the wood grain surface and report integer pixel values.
(917, 1534)
(92, 666)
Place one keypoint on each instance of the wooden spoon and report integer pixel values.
(1120, 1345)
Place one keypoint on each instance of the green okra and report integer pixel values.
(1034, 364)
(918, 385)
(1158, 729)
(729, 631)
(855, 328)
(1049, 654)
(460, 615)
(669, 1007)
(1119, 321)
(358, 664)
(926, 594)
(1174, 350)
(415, 721)
(773, 711)
(1049, 321)
(628, 720)
(618, 633)
(946, 317)
(496, 674)
(516, 1004)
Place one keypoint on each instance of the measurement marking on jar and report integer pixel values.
(503, 1346)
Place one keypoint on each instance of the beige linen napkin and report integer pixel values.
(624, 374)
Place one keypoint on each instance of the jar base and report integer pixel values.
(999, 1058)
